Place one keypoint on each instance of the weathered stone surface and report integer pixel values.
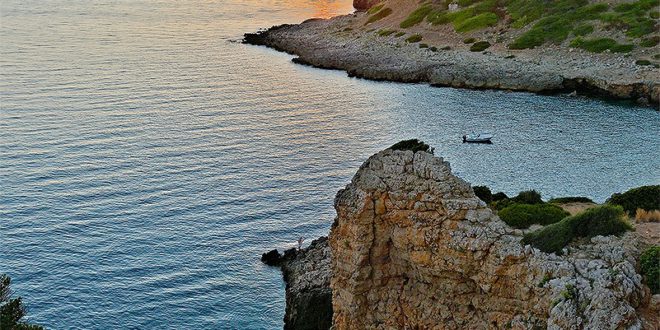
(308, 295)
(413, 247)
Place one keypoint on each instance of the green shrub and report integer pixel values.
(385, 32)
(379, 15)
(650, 42)
(499, 196)
(375, 9)
(483, 193)
(643, 62)
(563, 200)
(417, 16)
(645, 197)
(446, 48)
(477, 22)
(583, 30)
(423, 46)
(551, 238)
(479, 46)
(600, 45)
(399, 34)
(433, 49)
(524, 215)
(469, 40)
(528, 197)
(650, 267)
(12, 311)
(414, 145)
(602, 220)
(414, 38)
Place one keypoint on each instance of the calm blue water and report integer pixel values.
(146, 161)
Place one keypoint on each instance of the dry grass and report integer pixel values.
(642, 216)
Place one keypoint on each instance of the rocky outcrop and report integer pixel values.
(307, 277)
(364, 4)
(345, 43)
(414, 248)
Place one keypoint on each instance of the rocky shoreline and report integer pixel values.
(343, 43)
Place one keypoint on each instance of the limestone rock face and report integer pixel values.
(308, 296)
(414, 248)
(364, 4)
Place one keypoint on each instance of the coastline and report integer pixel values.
(344, 43)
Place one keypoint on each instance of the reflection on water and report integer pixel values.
(146, 162)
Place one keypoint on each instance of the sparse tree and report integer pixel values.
(12, 310)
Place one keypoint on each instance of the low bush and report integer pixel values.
(600, 45)
(479, 46)
(399, 34)
(414, 145)
(645, 197)
(650, 42)
(469, 40)
(379, 15)
(643, 62)
(446, 48)
(564, 200)
(483, 193)
(499, 196)
(477, 22)
(583, 30)
(423, 46)
(528, 197)
(375, 9)
(650, 267)
(385, 32)
(524, 215)
(602, 220)
(414, 38)
(417, 16)
(433, 49)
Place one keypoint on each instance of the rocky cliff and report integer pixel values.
(307, 276)
(413, 248)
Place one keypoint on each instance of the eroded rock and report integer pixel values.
(413, 247)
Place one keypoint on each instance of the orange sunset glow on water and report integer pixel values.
(320, 8)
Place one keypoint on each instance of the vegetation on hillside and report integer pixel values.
(524, 215)
(564, 200)
(12, 310)
(602, 220)
(379, 15)
(548, 21)
(645, 198)
(650, 268)
(413, 145)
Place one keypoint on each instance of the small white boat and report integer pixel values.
(477, 138)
